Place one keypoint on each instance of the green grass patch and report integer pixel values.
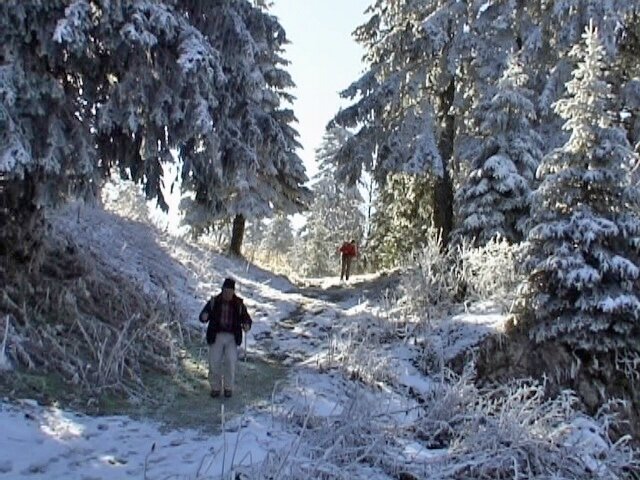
(178, 401)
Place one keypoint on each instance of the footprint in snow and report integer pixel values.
(6, 466)
(36, 468)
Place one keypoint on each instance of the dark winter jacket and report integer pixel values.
(240, 317)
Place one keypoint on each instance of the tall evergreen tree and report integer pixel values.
(258, 171)
(334, 216)
(401, 220)
(583, 267)
(41, 140)
(425, 59)
(278, 238)
(394, 114)
(494, 201)
(154, 81)
(88, 86)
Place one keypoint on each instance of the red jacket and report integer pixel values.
(349, 250)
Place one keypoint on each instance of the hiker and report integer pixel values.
(349, 251)
(228, 318)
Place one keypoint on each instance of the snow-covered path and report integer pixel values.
(290, 326)
(345, 358)
(49, 443)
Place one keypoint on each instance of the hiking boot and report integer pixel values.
(227, 393)
(215, 393)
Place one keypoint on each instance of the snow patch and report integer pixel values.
(484, 7)
(53, 443)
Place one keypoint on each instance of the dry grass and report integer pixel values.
(73, 316)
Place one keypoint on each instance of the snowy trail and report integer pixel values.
(50, 443)
(304, 328)
(290, 326)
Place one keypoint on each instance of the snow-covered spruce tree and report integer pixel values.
(401, 221)
(45, 149)
(88, 86)
(582, 287)
(494, 201)
(257, 170)
(393, 113)
(220, 106)
(153, 80)
(278, 239)
(334, 216)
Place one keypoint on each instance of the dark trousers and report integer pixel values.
(346, 266)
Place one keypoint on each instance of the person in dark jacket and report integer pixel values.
(228, 318)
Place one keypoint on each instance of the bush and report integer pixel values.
(490, 272)
(453, 431)
(432, 277)
(437, 279)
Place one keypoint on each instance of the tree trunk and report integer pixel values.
(443, 207)
(237, 235)
(443, 189)
(22, 223)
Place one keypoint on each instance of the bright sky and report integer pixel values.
(324, 58)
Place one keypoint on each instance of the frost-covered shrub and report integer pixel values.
(454, 430)
(340, 446)
(516, 432)
(359, 351)
(437, 279)
(431, 358)
(491, 271)
(433, 277)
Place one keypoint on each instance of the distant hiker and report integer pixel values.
(349, 251)
(228, 318)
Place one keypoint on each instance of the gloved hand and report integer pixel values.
(246, 327)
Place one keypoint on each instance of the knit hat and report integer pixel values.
(229, 283)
